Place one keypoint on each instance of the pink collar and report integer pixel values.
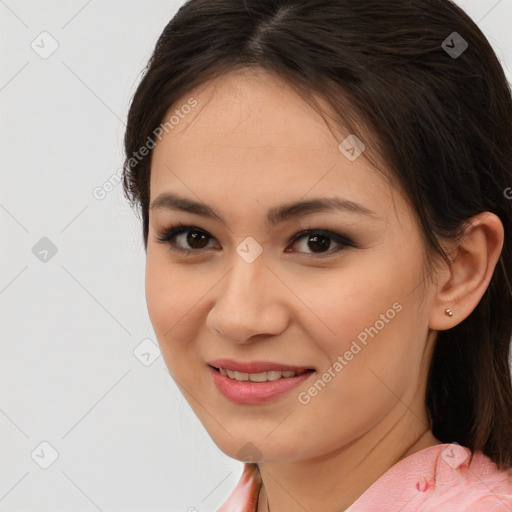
(438, 478)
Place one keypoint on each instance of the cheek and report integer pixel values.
(160, 297)
(361, 381)
(353, 305)
(176, 300)
(166, 306)
(374, 358)
(170, 299)
(363, 322)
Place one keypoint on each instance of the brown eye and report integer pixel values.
(320, 242)
(197, 239)
(185, 239)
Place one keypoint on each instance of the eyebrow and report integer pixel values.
(276, 215)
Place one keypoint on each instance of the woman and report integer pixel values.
(323, 191)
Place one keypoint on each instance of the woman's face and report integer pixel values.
(354, 308)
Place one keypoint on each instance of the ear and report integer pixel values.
(462, 284)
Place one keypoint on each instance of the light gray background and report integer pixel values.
(71, 371)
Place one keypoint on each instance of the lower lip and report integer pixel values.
(248, 392)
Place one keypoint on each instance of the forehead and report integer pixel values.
(250, 104)
(251, 133)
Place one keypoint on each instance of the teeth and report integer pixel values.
(257, 377)
(276, 375)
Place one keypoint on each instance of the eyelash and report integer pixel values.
(167, 237)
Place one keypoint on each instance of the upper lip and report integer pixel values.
(256, 366)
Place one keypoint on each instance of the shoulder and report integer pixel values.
(442, 478)
(472, 481)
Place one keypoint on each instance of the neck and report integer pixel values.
(334, 481)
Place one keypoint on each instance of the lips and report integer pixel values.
(256, 366)
(247, 392)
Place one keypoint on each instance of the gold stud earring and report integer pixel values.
(448, 312)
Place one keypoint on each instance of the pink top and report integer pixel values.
(438, 478)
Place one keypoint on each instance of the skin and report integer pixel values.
(250, 145)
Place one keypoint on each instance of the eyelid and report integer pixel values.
(326, 232)
(167, 236)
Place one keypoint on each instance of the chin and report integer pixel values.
(258, 450)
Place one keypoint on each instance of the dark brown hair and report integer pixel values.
(441, 122)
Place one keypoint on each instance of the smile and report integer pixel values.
(256, 387)
(260, 376)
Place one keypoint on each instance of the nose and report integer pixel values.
(249, 302)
